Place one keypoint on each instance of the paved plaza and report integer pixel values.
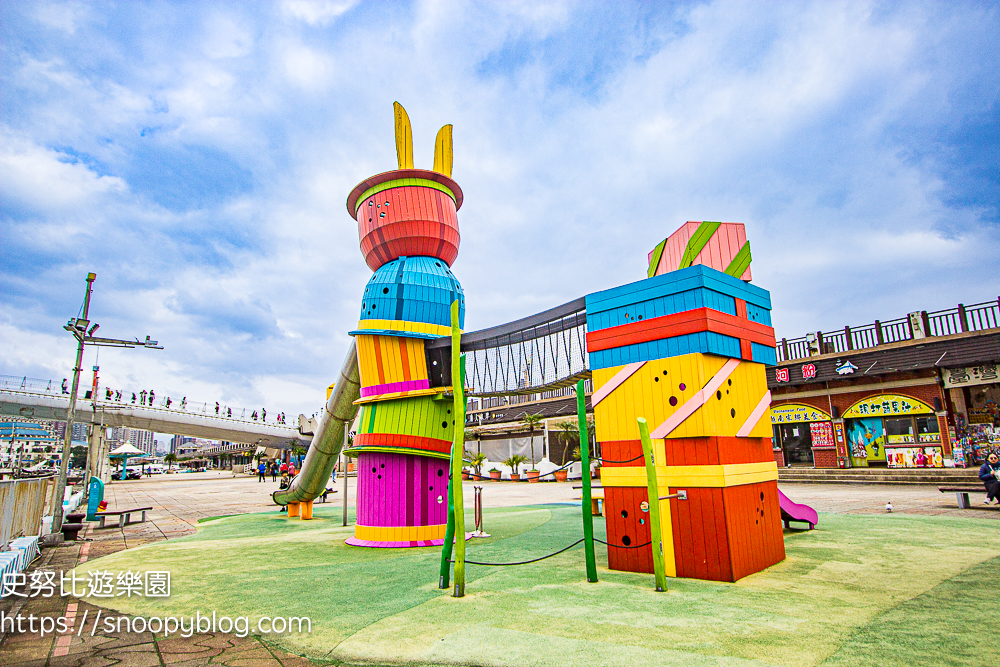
(179, 501)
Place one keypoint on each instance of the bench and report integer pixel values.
(962, 493)
(326, 492)
(596, 504)
(124, 516)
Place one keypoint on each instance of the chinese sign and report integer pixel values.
(887, 405)
(790, 413)
(781, 375)
(97, 584)
(965, 377)
(808, 371)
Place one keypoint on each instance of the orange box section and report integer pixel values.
(680, 324)
(691, 451)
(389, 359)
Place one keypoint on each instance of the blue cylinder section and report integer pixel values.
(413, 289)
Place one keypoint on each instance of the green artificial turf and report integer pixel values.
(860, 590)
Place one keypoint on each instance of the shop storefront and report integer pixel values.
(974, 393)
(894, 431)
(803, 434)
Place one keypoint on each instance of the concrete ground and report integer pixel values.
(180, 500)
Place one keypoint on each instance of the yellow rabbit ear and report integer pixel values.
(404, 137)
(443, 151)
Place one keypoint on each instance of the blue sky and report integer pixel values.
(197, 156)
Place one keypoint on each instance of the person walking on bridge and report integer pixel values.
(263, 415)
(142, 397)
(216, 408)
(151, 398)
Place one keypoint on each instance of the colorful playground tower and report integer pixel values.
(408, 226)
(685, 349)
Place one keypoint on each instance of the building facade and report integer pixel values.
(917, 392)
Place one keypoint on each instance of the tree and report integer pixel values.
(477, 462)
(78, 456)
(170, 459)
(531, 421)
(258, 456)
(568, 434)
(298, 451)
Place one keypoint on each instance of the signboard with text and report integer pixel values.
(887, 405)
(969, 376)
(790, 413)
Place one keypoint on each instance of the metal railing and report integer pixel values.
(26, 385)
(963, 319)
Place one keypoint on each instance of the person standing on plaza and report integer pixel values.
(989, 473)
(274, 471)
(261, 471)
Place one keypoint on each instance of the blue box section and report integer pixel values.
(675, 282)
(414, 289)
(659, 306)
(704, 341)
(757, 314)
(764, 354)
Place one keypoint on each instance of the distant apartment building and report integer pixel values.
(27, 443)
(138, 438)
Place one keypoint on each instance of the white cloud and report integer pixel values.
(47, 180)
(317, 12)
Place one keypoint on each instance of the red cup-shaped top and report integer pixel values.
(408, 212)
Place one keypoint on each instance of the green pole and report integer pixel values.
(654, 507)
(449, 540)
(588, 516)
(458, 448)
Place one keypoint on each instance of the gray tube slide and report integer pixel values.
(329, 437)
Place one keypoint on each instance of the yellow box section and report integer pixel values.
(399, 533)
(402, 325)
(380, 359)
(733, 474)
(648, 391)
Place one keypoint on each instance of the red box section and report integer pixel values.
(679, 324)
(705, 451)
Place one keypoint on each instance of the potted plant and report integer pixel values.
(532, 475)
(477, 462)
(561, 475)
(465, 474)
(514, 463)
(494, 474)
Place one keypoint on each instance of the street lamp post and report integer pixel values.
(78, 327)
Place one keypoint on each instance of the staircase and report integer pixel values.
(941, 476)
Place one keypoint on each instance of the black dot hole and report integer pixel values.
(626, 540)
(761, 496)
(440, 472)
(656, 379)
(718, 395)
(444, 424)
(673, 400)
(730, 382)
(624, 514)
(732, 413)
(385, 290)
(382, 465)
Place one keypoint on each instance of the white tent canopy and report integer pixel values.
(125, 450)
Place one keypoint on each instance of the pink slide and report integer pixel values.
(795, 512)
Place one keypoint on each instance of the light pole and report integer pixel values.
(78, 327)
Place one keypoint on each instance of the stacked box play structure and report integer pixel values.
(408, 225)
(685, 350)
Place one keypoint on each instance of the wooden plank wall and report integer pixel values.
(753, 525)
(401, 490)
(627, 526)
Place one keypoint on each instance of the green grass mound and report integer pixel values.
(861, 590)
